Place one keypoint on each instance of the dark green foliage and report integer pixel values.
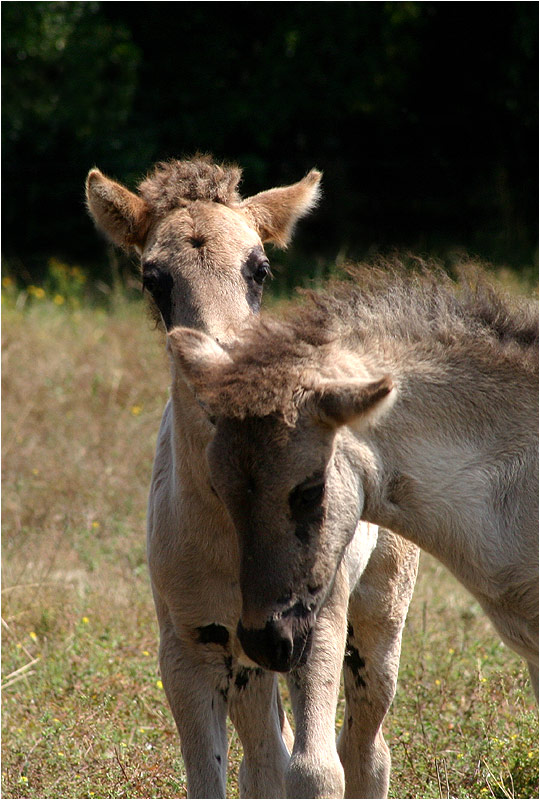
(423, 117)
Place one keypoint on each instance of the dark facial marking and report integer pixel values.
(213, 634)
(159, 284)
(306, 509)
(197, 241)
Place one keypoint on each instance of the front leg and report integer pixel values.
(377, 611)
(257, 714)
(315, 769)
(199, 708)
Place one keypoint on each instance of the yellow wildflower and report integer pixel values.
(7, 282)
(85, 620)
(33, 636)
(58, 299)
(57, 265)
(159, 684)
(77, 272)
(136, 410)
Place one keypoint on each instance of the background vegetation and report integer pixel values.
(423, 116)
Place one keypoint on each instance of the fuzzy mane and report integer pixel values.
(174, 183)
(389, 300)
(381, 307)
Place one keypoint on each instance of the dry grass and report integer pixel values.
(84, 714)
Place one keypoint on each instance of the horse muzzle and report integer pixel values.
(282, 645)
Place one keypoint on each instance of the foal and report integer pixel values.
(203, 263)
(397, 401)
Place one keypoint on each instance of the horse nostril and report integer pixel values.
(299, 610)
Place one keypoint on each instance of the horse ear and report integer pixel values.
(196, 353)
(275, 212)
(117, 212)
(359, 403)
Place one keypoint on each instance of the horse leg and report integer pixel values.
(257, 714)
(533, 672)
(315, 769)
(199, 708)
(377, 610)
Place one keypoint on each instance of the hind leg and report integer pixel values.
(377, 610)
(533, 672)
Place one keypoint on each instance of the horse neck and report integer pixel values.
(191, 432)
(438, 455)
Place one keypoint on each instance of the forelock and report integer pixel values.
(174, 183)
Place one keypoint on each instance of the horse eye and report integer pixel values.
(306, 498)
(261, 272)
(159, 284)
(156, 281)
(312, 495)
(151, 280)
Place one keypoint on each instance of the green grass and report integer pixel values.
(84, 713)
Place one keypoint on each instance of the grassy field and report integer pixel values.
(84, 713)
